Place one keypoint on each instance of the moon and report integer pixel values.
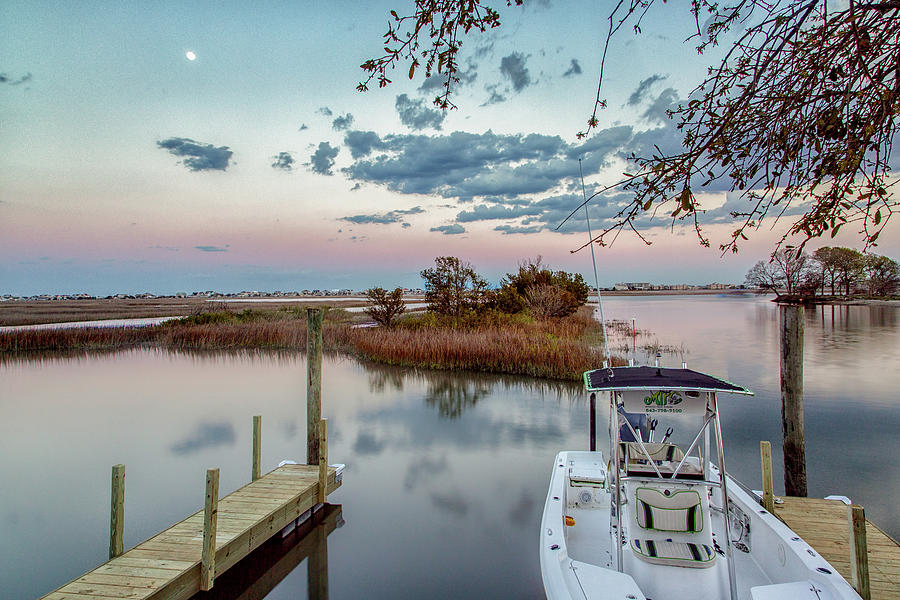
(190, 55)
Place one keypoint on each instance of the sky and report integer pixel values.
(175, 147)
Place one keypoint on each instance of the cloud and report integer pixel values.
(511, 229)
(213, 248)
(342, 123)
(325, 111)
(454, 229)
(394, 216)
(303, 127)
(283, 161)
(513, 67)
(415, 115)
(323, 159)
(643, 87)
(206, 435)
(666, 100)
(436, 82)
(4, 78)
(199, 156)
(574, 69)
(495, 97)
(483, 212)
(361, 143)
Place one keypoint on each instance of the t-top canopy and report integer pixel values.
(656, 378)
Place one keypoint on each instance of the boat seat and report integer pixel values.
(665, 456)
(676, 554)
(668, 510)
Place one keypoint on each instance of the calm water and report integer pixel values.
(446, 474)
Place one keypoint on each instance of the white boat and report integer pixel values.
(656, 520)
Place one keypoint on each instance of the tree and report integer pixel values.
(802, 108)
(790, 270)
(826, 257)
(386, 306)
(848, 267)
(453, 288)
(882, 275)
(544, 293)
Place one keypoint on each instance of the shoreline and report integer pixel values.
(39, 312)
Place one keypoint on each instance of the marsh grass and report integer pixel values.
(494, 342)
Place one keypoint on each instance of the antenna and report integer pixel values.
(587, 218)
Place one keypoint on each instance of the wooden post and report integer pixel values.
(210, 519)
(859, 555)
(792, 400)
(593, 422)
(313, 383)
(323, 460)
(117, 511)
(257, 446)
(768, 499)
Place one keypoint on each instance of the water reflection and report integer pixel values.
(267, 566)
(205, 435)
(446, 472)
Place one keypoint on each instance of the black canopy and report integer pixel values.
(656, 378)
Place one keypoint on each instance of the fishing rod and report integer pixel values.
(587, 218)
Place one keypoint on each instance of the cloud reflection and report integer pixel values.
(205, 435)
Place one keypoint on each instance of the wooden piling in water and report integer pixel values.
(210, 521)
(257, 447)
(313, 383)
(794, 444)
(323, 460)
(117, 511)
(859, 554)
(768, 499)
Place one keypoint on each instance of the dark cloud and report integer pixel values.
(454, 229)
(361, 143)
(511, 229)
(416, 115)
(323, 159)
(303, 127)
(394, 216)
(342, 123)
(325, 111)
(4, 78)
(436, 82)
(213, 248)
(513, 67)
(283, 161)
(483, 212)
(667, 100)
(198, 156)
(206, 435)
(643, 87)
(574, 69)
(495, 97)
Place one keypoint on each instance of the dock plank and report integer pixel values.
(167, 566)
(824, 525)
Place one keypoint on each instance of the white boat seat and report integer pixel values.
(676, 554)
(665, 456)
(668, 510)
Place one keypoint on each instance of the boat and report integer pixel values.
(658, 519)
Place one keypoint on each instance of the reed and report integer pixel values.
(87, 338)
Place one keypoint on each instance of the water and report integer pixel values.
(446, 473)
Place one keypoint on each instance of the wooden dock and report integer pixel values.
(168, 565)
(824, 525)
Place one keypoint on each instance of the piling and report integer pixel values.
(859, 555)
(117, 511)
(313, 383)
(768, 499)
(791, 317)
(323, 460)
(257, 447)
(210, 521)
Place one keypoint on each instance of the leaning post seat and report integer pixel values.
(665, 456)
(670, 524)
